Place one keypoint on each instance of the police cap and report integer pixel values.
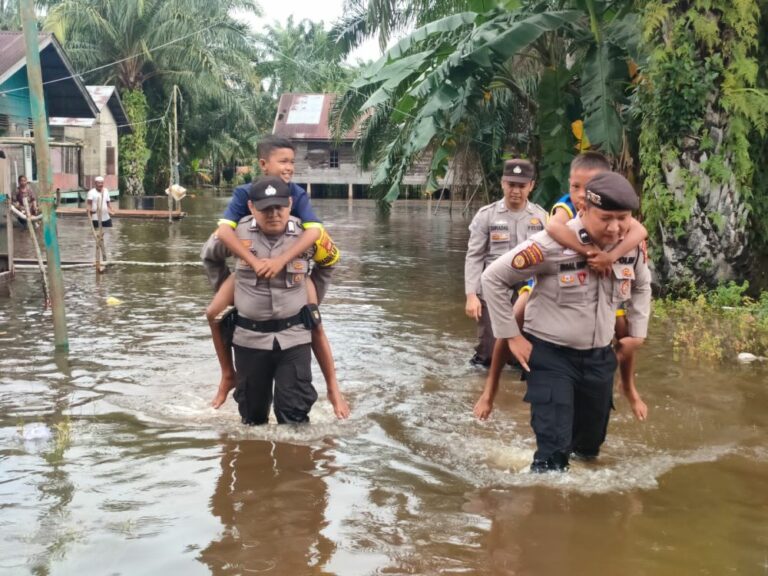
(518, 170)
(611, 191)
(269, 191)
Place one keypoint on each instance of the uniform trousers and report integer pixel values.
(291, 372)
(570, 392)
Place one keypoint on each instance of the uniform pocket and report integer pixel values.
(571, 294)
(623, 275)
(296, 272)
(538, 394)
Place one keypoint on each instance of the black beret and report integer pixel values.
(518, 170)
(611, 191)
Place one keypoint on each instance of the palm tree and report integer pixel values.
(300, 57)
(195, 44)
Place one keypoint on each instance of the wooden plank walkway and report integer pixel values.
(145, 214)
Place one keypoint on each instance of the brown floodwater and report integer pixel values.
(112, 461)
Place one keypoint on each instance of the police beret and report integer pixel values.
(518, 170)
(611, 191)
(269, 191)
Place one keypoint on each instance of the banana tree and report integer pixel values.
(470, 80)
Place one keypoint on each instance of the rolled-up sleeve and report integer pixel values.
(639, 309)
(477, 247)
(498, 279)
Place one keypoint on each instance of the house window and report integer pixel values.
(71, 159)
(333, 161)
(110, 160)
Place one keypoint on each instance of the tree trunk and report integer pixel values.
(134, 153)
(711, 244)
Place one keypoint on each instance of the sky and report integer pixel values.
(315, 10)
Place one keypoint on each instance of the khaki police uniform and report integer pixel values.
(570, 320)
(271, 341)
(494, 231)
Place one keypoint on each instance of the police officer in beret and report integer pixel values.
(496, 229)
(569, 323)
(273, 326)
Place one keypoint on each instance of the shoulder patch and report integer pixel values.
(584, 236)
(527, 257)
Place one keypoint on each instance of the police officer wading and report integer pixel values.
(272, 335)
(496, 229)
(569, 323)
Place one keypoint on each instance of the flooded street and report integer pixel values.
(112, 461)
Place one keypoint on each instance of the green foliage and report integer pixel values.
(150, 46)
(701, 75)
(477, 80)
(716, 325)
(134, 153)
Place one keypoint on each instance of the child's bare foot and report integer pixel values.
(340, 406)
(225, 385)
(639, 409)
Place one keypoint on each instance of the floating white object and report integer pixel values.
(35, 432)
(112, 301)
(178, 192)
(748, 357)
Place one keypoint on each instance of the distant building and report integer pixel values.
(65, 95)
(97, 137)
(303, 119)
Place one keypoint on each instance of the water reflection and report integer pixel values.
(271, 500)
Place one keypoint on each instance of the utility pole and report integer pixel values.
(45, 176)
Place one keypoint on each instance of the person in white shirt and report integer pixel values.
(98, 205)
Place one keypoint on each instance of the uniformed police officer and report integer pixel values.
(272, 335)
(496, 229)
(569, 323)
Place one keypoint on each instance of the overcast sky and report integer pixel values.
(316, 10)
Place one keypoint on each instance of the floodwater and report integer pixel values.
(112, 462)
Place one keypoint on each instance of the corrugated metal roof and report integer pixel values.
(305, 117)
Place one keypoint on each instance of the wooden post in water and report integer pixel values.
(44, 174)
(6, 189)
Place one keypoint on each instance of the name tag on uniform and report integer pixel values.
(535, 224)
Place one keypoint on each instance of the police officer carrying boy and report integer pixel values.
(273, 327)
(496, 229)
(569, 323)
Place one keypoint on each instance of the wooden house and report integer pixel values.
(303, 119)
(97, 137)
(66, 97)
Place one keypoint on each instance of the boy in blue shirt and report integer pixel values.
(276, 158)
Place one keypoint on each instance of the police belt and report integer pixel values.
(277, 325)
(579, 352)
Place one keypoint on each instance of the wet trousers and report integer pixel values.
(291, 373)
(570, 392)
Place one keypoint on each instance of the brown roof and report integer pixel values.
(305, 117)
